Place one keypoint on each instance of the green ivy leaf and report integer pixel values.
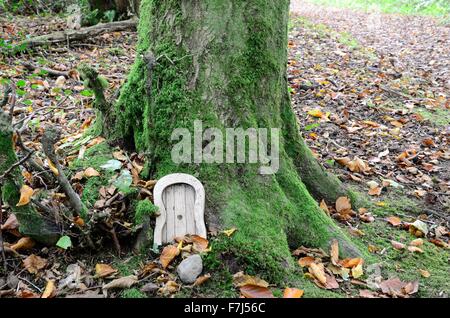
(87, 93)
(21, 83)
(64, 242)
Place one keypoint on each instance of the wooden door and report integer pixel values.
(181, 202)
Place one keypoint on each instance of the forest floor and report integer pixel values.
(371, 94)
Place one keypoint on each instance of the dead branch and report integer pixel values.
(50, 137)
(49, 71)
(68, 36)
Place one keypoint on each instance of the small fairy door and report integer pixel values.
(181, 201)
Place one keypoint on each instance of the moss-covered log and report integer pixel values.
(31, 222)
(224, 63)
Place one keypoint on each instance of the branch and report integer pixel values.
(18, 163)
(50, 137)
(81, 34)
(50, 71)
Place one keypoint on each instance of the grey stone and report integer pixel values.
(190, 268)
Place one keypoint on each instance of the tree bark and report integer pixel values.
(225, 63)
(31, 222)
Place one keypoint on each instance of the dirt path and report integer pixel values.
(375, 87)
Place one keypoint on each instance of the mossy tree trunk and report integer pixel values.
(32, 223)
(224, 62)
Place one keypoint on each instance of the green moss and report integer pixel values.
(94, 157)
(132, 293)
(144, 208)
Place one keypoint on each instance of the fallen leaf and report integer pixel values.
(439, 243)
(122, 283)
(417, 242)
(229, 232)
(414, 249)
(200, 244)
(352, 262)
(104, 270)
(375, 191)
(168, 254)
(255, 291)
(306, 261)
(411, 287)
(11, 223)
(318, 271)
(324, 207)
(50, 290)
(91, 172)
(241, 279)
(25, 243)
(424, 273)
(202, 279)
(26, 193)
(398, 245)
(334, 252)
(365, 293)
(357, 271)
(394, 221)
(52, 167)
(293, 293)
(316, 113)
(418, 228)
(343, 205)
(169, 288)
(78, 221)
(119, 155)
(34, 263)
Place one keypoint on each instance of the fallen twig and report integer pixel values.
(81, 34)
(50, 71)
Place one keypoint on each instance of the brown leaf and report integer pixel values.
(358, 165)
(439, 243)
(392, 287)
(168, 254)
(365, 293)
(398, 245)
(394, 221)
(52, 167)
(122, 283)
(26, 193)
(119, 155)
(200, 244)
(255, 291)
(306, 261)
(318, 271)
(78, 221)
(202, 279)
(169, 288)
(34, 263)
(352, 262)
(343, 205)
(411, 287)
(50, 290)
(10, 224)
(414, 249)
(334, 252)
(417, 242)
(324, 207)
(331, 282)
(91, 172)
(241, 279)
(375, 191)
(25, 243)
(104, 270)
(293, 293)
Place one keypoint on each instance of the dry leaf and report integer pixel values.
(50, 290)
(104, 270)
(26, 193)
(352, 262)
(34, 263)
(169, 288)
(424, 273)
(411, 287)
(78, 221)
(398, 245)
(306, 261)
(417, 242)
(91, 172)
(393, 220)
(52, 167)
(119, 155)
(318, 271)
(202, 279)
(255, 291)
(375, 191)
(439, 243)
(334, 252)
(122, 283)
(10, 224)
(200, 244)
(365, 293)
(343, 205)
(293, 293)
(324, 207)
(414, 249)
(168, 254)
(25, 243)
(229, 232)
(241, 279)
(316, 113)
(357, 271)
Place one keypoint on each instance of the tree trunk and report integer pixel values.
(224, 63)
(32, 223)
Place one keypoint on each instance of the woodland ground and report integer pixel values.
(371, 86)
